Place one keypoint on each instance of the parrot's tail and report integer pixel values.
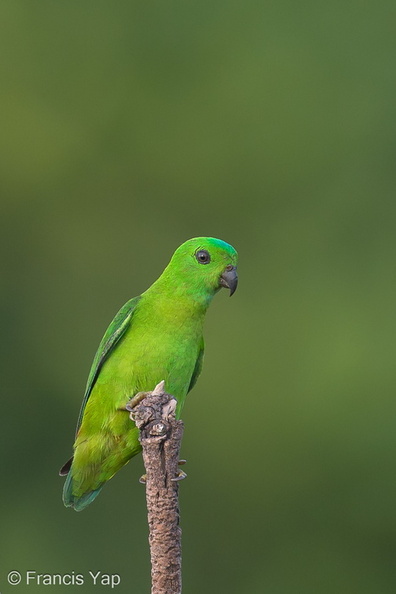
(78, 503)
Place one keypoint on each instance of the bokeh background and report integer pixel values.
(127, 128)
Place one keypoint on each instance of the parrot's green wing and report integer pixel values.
(112, 335)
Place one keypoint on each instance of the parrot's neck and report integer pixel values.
(178, 299)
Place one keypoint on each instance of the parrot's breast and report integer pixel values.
(149, 353)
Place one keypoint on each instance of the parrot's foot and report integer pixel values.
(180, 476)
(134, 401)
(181, 462)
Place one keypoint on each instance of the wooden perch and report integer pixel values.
(160, 437)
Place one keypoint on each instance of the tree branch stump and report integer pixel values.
(160, 437)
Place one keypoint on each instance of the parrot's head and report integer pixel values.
(204, 265)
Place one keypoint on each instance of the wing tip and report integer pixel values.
(66, 467)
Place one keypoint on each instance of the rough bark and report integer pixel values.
(160, 437)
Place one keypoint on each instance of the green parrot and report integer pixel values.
(156, 336)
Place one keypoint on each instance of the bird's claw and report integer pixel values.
(134, 401)
(179, 477)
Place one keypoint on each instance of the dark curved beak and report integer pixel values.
(229, 279)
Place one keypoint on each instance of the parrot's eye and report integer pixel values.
(203, 257)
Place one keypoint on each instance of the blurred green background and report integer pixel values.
(127, 128)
